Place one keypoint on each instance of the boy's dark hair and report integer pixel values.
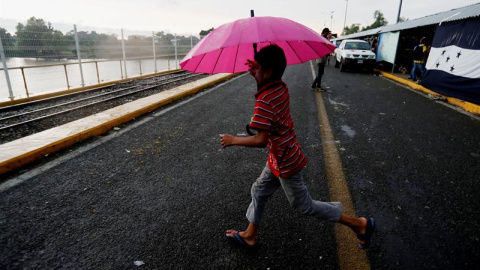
(272, 57)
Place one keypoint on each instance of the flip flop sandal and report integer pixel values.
(239, 241)
(367, 237)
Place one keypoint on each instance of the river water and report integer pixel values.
(48, 79)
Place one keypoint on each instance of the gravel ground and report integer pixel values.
(21, 131)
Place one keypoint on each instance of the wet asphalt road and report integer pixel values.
(161, 190)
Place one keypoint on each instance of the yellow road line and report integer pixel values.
(349, 255)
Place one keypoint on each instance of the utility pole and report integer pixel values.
(345, 21)
(399, 10)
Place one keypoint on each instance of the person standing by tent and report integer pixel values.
(317, 83)
(283, 169)
(420, 53)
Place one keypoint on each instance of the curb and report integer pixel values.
(466, 106)
(25, 150)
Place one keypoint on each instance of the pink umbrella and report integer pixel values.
(226, 49)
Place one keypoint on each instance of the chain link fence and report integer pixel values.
(37, 59)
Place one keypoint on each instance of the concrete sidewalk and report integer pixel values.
(17, 153)
(466, 106)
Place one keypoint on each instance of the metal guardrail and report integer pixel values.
(48, 77)
(121, 65)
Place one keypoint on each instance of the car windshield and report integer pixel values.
(357, 46)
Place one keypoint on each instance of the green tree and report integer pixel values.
(354, 28)
(7, 42)
(203, 33)
(163, 39)
(185, 43)
(94, 45)
(105, 46)
(139, 46)
(7, 39)
(29, 37)
(54, 44)
(379, 21)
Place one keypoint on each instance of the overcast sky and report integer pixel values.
(189, 17)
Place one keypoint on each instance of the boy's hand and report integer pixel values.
(258, 140)
(226, 140)
(252, 66)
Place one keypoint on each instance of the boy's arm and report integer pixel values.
(258, 140)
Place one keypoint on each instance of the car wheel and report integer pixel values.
(342, 65)
(337, 64)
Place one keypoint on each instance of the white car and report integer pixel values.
(354, 53)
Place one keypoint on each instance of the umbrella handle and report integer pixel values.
(252, 14)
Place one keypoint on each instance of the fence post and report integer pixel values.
(78, 54)
(154, 53)
(121, 69)
(25, 82)
(140, 64)
(66, 76)
(5, 69)
(98, 74)
(124, 58)
(176, 57)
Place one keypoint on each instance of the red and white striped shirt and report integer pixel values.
(272, 113)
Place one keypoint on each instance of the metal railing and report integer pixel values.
(84, 59)
(121, 73)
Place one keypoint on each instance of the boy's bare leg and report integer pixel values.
(249, 235)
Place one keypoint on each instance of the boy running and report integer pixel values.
(274, 123)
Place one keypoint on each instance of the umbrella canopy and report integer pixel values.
(226, 49)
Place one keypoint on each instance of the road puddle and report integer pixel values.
(348, 131)
(333, 102)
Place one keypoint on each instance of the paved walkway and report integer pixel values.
(161, 190)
